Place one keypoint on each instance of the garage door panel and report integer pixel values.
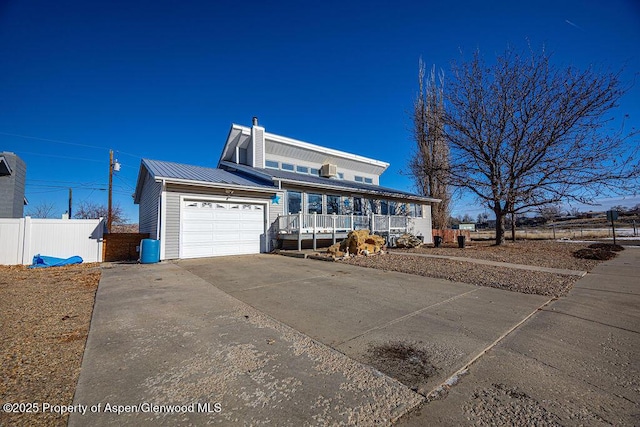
(216, 228)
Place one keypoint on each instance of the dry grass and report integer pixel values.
(44, 322)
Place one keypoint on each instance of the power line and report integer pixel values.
(63, 157)
(58, 141)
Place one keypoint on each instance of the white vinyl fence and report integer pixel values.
(22, 238)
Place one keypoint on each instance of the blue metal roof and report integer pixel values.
(170, 170)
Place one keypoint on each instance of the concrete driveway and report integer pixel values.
(441, 324)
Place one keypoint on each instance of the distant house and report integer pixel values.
(13, 172)
(266, 190)
(471, 226)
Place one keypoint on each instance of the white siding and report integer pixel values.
(148, 206)
(22, 238)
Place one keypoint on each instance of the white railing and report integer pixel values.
(315, 224)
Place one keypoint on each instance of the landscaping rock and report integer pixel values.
(358, 242)
(408, 241)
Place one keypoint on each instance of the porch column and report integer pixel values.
(300, 231)
(314, 231)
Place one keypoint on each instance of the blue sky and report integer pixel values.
(165, 79)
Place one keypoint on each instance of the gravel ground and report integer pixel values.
(551, 254)
(44, 322)
(544, 254)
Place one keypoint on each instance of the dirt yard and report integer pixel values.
(44, 322)
(536, 253)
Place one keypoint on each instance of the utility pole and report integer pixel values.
(70, 198)
(110, 203)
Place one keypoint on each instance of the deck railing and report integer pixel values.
(315, 224)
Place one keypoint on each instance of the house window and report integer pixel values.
(368, 181)
(340, 175)
(359, 178)
(314, 171)
(314, 203)
(302, 169)
(384, 207)
(287, 167)
(392, 208)
(333, 205)
(271, 164)
(357, 206)
(294, 202)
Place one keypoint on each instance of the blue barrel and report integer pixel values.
(149, 251)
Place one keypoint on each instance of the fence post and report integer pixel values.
(372, 222)
(26, 241)
(353, 226)
(389, 224)
(300, 231)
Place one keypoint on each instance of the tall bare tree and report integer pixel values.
(430, 162)
(525, 133)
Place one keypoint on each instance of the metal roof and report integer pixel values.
(179, 171)
(310, 180)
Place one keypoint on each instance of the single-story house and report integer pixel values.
(270, 191)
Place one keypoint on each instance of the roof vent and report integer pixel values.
(255, 121)
(328, 170)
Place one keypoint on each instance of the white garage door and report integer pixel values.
(214, 229)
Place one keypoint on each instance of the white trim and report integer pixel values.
(317, 148)
(214, 185)
(163, 221)
(240, 200)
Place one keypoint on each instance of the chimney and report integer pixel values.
(255, 151)
(255, 121)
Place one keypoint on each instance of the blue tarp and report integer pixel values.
(41, 261)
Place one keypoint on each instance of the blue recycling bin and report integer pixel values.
(149, 251)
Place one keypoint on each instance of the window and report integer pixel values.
(294, 202)
(314, 203)
(392, 208)
(333, 205)
(384, 207)
(368, 181)
(302, 169)
(287, 167)
(315, 172)
(359, 178)
(357, 206)
(340, 175)
(272, 164)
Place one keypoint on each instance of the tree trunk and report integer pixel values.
(499, 226)
(513, 227)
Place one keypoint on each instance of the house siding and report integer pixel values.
(148, 207)
(12, 188)
(172, 226)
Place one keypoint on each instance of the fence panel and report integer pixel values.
(11, 240)
(61, 238)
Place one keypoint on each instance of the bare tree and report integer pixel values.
(525, 134)
(430, 162)
(91, 210)
(42, 210)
